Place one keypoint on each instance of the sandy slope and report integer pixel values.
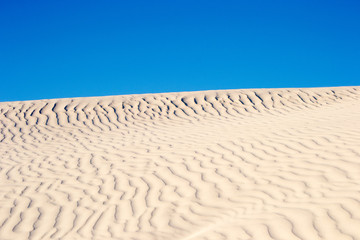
(238, 164)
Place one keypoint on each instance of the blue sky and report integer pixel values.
(56, 49)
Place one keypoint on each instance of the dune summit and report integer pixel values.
(258, 164)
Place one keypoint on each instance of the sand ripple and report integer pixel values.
(277, 164)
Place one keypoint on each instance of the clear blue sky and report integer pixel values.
(70, 48)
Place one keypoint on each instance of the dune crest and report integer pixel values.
(277, 164)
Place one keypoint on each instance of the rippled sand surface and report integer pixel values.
(258, 164)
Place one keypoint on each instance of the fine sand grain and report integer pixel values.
(260, 164)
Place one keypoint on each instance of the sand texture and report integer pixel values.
(259, 164)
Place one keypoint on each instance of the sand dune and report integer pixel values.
(277, 164)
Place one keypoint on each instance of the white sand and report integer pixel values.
(263, 164)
